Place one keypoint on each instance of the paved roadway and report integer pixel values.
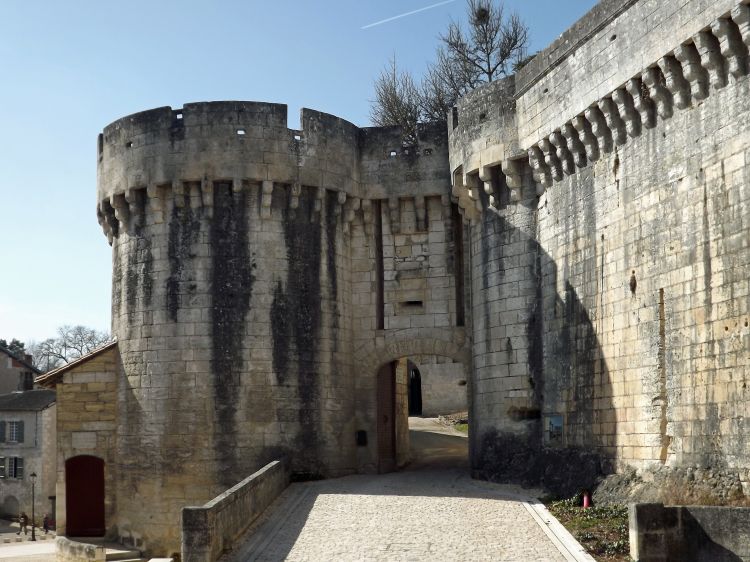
(13, 547)
(430, 511)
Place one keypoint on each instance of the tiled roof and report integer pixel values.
(33, 400)
(53, 377)
(20, 359)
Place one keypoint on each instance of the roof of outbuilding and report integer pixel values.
(20, 359)
(33, 400)
(53, 377)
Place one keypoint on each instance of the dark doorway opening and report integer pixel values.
(84, 496)
(415, 390)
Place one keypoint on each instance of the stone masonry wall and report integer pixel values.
(444, 385)
(637, 333)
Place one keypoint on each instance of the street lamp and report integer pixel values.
(32, 477)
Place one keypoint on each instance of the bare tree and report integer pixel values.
(397, 101)
(492, 43)
(491, 47)
(71, 343)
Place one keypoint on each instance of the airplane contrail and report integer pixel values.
(369, 25)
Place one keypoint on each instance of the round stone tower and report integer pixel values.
(262, 276)
(227, 236)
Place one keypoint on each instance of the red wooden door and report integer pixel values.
(387, 418)
(84, 497)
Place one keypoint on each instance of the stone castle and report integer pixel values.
(573, 251)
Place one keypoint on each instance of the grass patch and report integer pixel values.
(602, 530)
(462, 427)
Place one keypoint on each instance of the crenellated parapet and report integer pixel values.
(177, 157)
(679, 79)
(709, 59)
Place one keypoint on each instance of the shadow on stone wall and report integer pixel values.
(568, 375)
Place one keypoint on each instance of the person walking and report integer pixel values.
(45, 523)
(23, 521)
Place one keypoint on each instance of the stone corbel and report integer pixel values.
(350, 209)
(587, 137)
(562, 153)
(341, 201)
(614, 121)
(101, 218)
(320, 194)
(111, 227)
(178, 192)
(207, 196)
(265, 199)
(460, 194)
(641, 102)
(657, 91)
(731, 46)
(741, 16)
(626, 108)
(394, 213)
(367, 217)
(539, 170)
(485, 176)
(155, 197)
(694, 73)
(131, 196)
(676, 83)
(471, 181)
(599, 127)
(550, 158)
(294, 193)
(420, 210)
(122, 211)
(575, 146)
(711, 59)
(513, 170)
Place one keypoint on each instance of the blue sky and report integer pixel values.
(69, 68)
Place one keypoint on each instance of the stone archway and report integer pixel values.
(377, 363)
(11, 506)
(446, 342)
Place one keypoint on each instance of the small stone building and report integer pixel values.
(27, 445)
(84, 469)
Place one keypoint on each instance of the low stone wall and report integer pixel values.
(71, 551)
(210, 530)
(689, 533)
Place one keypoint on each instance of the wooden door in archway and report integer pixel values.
(387, 418)
(84, 496)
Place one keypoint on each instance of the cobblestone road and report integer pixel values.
(424, 514)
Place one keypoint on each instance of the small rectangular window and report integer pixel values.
(2, 467)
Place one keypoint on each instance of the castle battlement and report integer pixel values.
(620, 98)
(169, 153)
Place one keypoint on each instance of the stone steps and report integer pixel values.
(124, 555)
